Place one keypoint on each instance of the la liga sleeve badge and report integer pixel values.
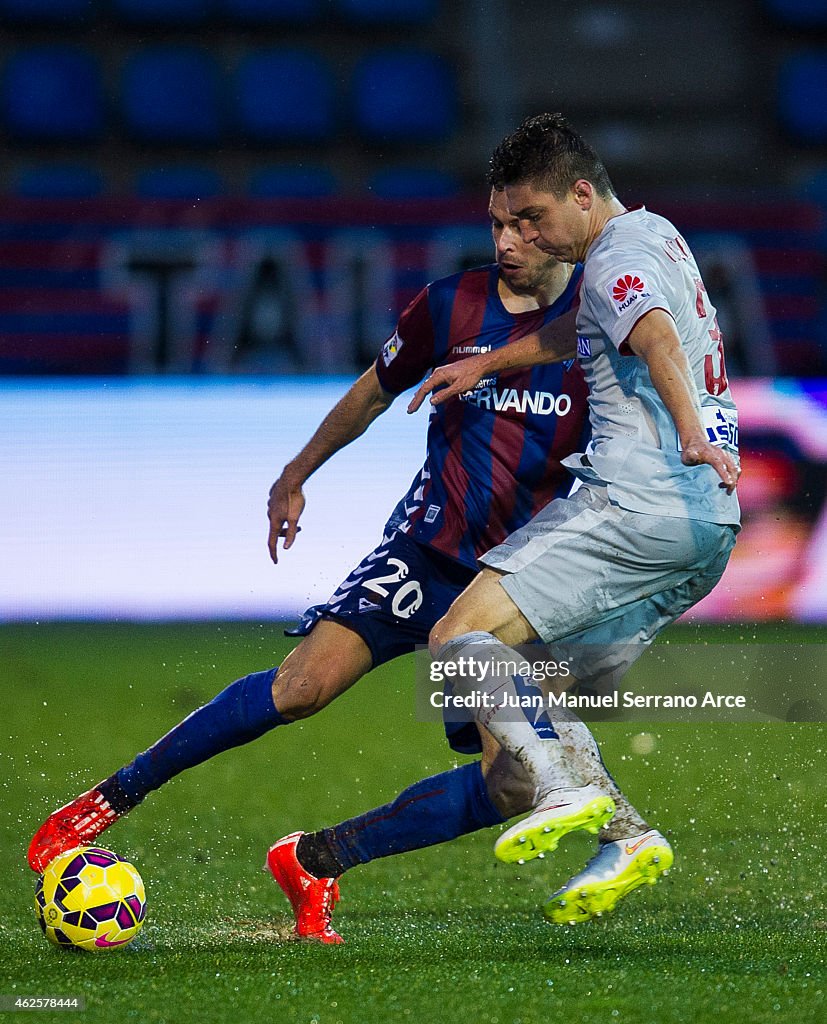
(390, 350)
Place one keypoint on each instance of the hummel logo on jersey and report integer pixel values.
(584, 347)
(305, 883)
(626, 290)
(471, 350)
(367, 606)
(391, 348)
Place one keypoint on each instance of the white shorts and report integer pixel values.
(587, 572)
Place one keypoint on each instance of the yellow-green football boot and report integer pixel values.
(617, 869)
(584, 808)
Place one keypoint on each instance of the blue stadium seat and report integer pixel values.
(53, 93)
(163, 12)
(405, 95)
(285, 95)
(803, 96)
(799, 13)
(292, 182)
(413, 183)
(171, 94)
(59, 181)
(21, 11)
(179, 182)
(388, 11)
(264, 12)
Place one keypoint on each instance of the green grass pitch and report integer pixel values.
(737, 932)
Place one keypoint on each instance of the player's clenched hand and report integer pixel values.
(700, 452)
(449, 381)
(284, 507)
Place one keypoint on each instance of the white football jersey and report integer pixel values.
(639, 262)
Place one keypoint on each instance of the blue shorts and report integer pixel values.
(392, 599)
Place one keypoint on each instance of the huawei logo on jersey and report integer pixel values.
(626, 284)
(627, 290)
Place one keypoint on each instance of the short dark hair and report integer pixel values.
(547, 152)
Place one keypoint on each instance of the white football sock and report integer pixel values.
(572, 760)
(508, 725)
(582, 754)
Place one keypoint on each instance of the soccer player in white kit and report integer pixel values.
(649, 530)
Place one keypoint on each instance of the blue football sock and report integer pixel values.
(240, 713)
(431, 811)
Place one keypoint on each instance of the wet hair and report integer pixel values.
(546, 152)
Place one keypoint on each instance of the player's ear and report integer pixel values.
(584, 193)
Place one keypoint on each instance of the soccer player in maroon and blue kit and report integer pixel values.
(493, 460)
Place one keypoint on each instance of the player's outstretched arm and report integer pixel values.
(554, 342)
(348, 419)
(655, 339)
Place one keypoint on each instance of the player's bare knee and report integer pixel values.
(297, 696)
(447, 628)
(300, 691)
(325, 664)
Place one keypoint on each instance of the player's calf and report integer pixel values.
(508, 784)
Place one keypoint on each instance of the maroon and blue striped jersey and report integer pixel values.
(494, 454)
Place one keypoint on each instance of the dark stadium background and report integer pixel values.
(251, 190)
(211, 212)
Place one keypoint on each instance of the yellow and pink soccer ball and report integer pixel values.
(91, 899)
